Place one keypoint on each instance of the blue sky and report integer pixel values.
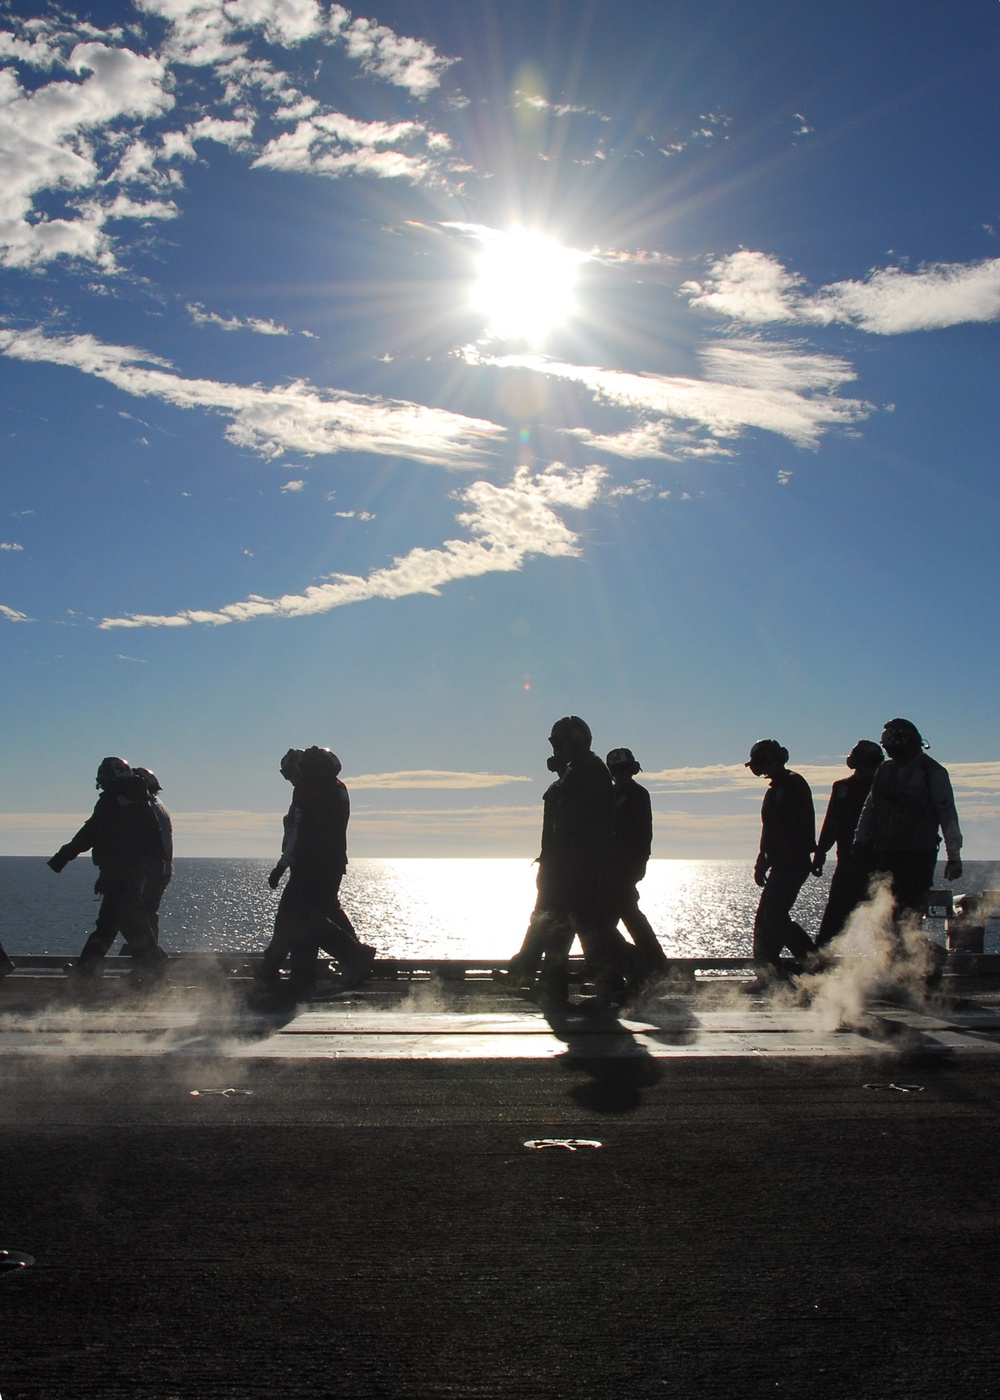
(403, 380)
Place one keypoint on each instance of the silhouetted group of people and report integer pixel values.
(130, 836)
(597, 831)
(886, 820)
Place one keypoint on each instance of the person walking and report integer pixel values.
(787, 842)
(124, 837)
(909, 809)
(574, 869)
(631, 846)
(849, 882)
(310, 915)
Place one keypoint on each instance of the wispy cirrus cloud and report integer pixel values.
(779, 388)
(507, 524)
(292, 417)
(755, 288)
(12, 614)
(259, 325)
(428, 778)
(969, 780)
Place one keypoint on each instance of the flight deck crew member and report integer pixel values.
(787, 842)
(573, 870)
(124, 836)
(909, 808)
(849, 883)
(631, 845)
(315, 852)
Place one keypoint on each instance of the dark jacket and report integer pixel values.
(573, 868)
(316, 837)
(122, 832)
(847, 797)
(788, 819)
(632, 831)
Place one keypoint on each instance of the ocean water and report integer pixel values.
(406, 908)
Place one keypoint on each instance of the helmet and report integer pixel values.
(625, 759)
(766, 751)
(111, 768)
(150, 779)
(572, 730)
(317, 761)
(900, 734)
(290, 764)
(865, 754)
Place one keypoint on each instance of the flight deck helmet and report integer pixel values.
(623, 761)
(111, 768)
(766, 752)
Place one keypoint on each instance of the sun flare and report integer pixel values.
(525, 285)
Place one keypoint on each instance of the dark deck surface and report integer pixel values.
(772, 1220)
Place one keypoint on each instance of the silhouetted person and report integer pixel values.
(910, 806)
(124, 836)
(162, 867)
(631, 845)
(284, 924)
(573, 871)
(310, 915)
(787, 842)
(543, 925)
(849, 882)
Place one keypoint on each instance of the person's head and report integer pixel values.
(865, 756)
(289, 765)
(153, 785)
(901, 739)
(622, 764)
(318, 762)
(767, 757)
(110, 770)
(570, 736)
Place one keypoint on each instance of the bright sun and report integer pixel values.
(525, 285)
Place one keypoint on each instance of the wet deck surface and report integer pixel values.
(342, 1201)
(480, 1020)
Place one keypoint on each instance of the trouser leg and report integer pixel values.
(650, 957)
(106, 929)
(773, 927)
(553, 978)
(282, 936)
(848, 888)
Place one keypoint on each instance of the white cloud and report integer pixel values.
(755, 288)
(46, 147)
(407, 63)
(293, 486)
(69, 144)
(11, 546)
(747, 286)
(507, 525)
(257, 324)
(777, 388)
(969, 780)
(317, 146)
(214, 32)
(893, 301)
(292, 417)
(433, 778)
(12, 614)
